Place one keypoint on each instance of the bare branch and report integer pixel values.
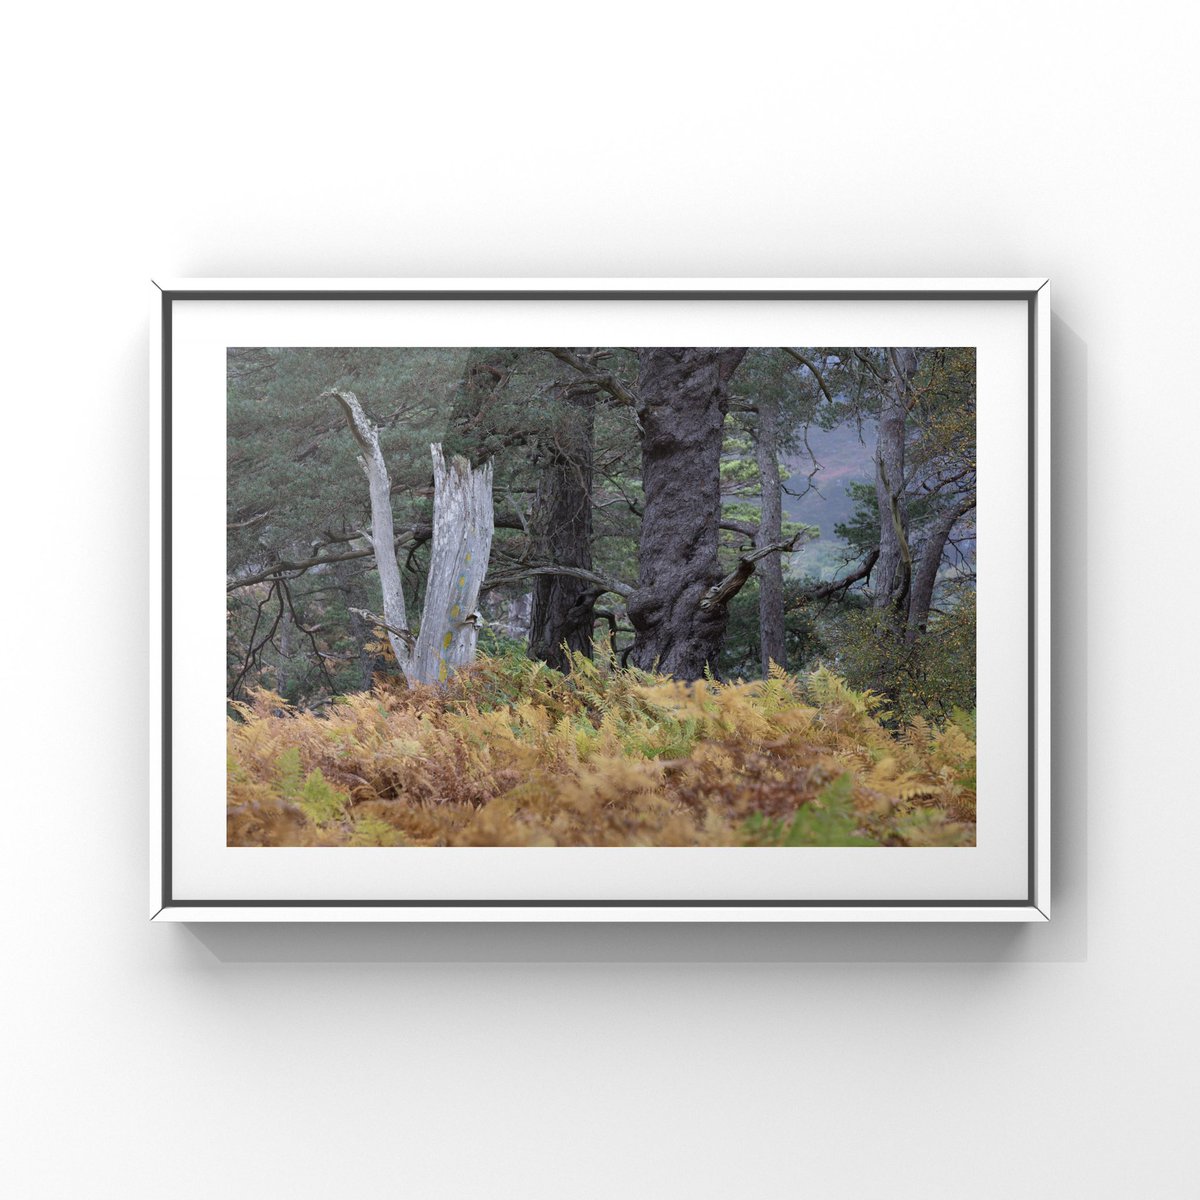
(721, 593)
(309, 632)
(862, 358)
(816, 374)
(381, 623)
(742, 527)
(826, 590)
(409, 538)
(254, 520)
(254, 650)
(518, 571)
(606, 381)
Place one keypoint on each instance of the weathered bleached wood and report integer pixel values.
(383, 535)
(463, 523)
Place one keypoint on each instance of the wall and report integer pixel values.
(876, 139)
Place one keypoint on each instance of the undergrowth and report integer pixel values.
(513, 753)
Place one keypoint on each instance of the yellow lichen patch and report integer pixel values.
(455, 610)
(447, 639)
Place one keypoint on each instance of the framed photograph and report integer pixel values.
(696, 600)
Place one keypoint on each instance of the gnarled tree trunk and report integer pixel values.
(682, 402)
(561, 529)
(893, 572)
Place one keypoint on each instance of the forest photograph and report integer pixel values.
(601, 596)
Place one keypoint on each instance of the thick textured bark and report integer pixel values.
(770, 531)
(682, 401)
(561, 531)
(894, 568)
(463, 523)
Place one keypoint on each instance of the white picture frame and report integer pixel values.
(194, 876)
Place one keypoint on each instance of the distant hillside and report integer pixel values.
(844, 459)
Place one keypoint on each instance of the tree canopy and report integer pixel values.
(678, 508)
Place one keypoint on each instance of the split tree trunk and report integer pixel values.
(463, 523)
(564, 608)
(770, 531)
(682, 402)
